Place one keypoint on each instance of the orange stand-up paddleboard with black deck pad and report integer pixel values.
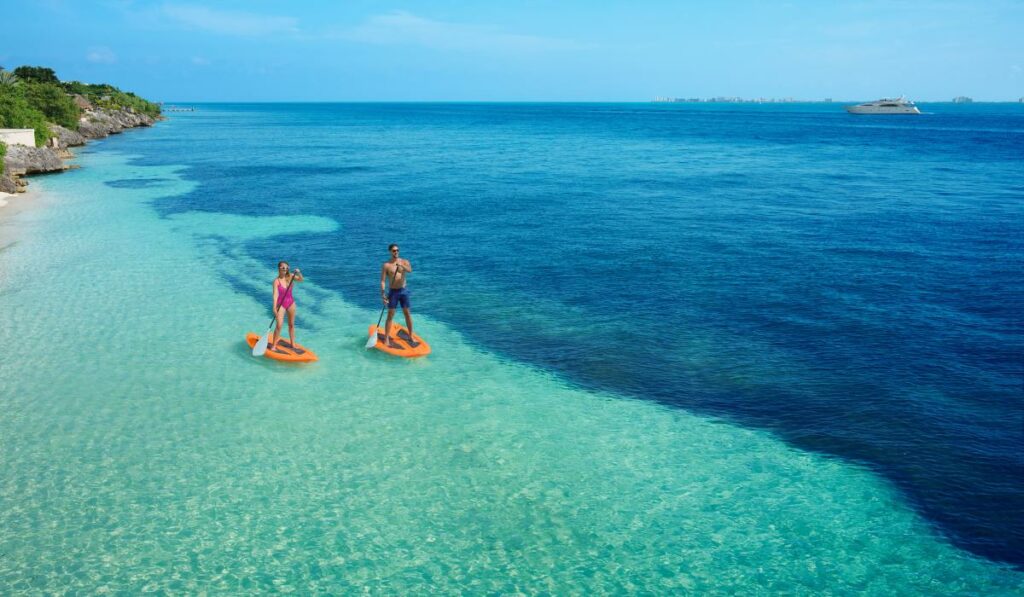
(402, 345)
(284, 351)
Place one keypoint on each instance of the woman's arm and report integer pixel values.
(274, 283)
(298, 275)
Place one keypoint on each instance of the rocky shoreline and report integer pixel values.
(95, 123)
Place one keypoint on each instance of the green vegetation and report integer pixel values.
(3, 152)
(36, 74)
(17, 113)
(108, 96)
(54, 102)
(33, 96)
(7, 78)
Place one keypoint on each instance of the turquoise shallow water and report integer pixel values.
(847, 284)
(144, 450)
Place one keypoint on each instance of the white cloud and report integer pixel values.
(101, 55)
(400, 27)
(229, 22)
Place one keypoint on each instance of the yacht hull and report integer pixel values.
(882, 110)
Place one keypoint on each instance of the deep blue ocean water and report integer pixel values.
(852, 284)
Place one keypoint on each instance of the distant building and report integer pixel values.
(962, 99)
(731, 99)
(81, 102)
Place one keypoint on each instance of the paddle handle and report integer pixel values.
(381, 316)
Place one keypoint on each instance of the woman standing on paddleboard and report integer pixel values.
(284, 302)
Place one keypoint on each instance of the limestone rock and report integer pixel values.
(99, 123)
(30, 160)
(7, 184)
(94, 124)
(66, 137)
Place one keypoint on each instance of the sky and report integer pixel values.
(524, 50)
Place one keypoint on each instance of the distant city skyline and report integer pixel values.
(364, 50)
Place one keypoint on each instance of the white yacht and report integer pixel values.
(899, 105)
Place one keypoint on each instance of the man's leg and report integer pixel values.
(387, 327)
(408, 324)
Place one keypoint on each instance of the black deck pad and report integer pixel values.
(396, 346)
(404, 335)
(294, 349)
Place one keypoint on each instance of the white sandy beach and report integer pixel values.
(11, 206)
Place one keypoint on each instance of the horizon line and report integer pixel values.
(650, 101)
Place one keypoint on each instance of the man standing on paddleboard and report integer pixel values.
(396, 269)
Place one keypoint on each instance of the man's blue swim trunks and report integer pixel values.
(396, 296)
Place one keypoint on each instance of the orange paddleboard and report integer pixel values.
(284, 351)
(401, 344)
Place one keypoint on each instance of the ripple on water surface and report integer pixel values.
(148, 451)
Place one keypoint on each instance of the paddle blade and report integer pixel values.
(372, 340)
(261, 347)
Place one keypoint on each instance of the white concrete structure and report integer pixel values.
(18, 137)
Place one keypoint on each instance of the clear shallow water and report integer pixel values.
(187, 465)
(851, 284)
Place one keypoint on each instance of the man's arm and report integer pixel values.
(407, 266)
(383, 281)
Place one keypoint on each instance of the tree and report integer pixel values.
(51, 100)
(16, 113)
(38, 74)
(108, 96)
(7, 78)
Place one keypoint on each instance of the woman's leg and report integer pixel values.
(279, 315)
(291, 324)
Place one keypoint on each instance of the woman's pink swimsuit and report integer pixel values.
(284, 296)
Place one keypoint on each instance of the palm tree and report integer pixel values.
(7, 78)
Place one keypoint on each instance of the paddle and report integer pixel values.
(372, 340)
(261, 347)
